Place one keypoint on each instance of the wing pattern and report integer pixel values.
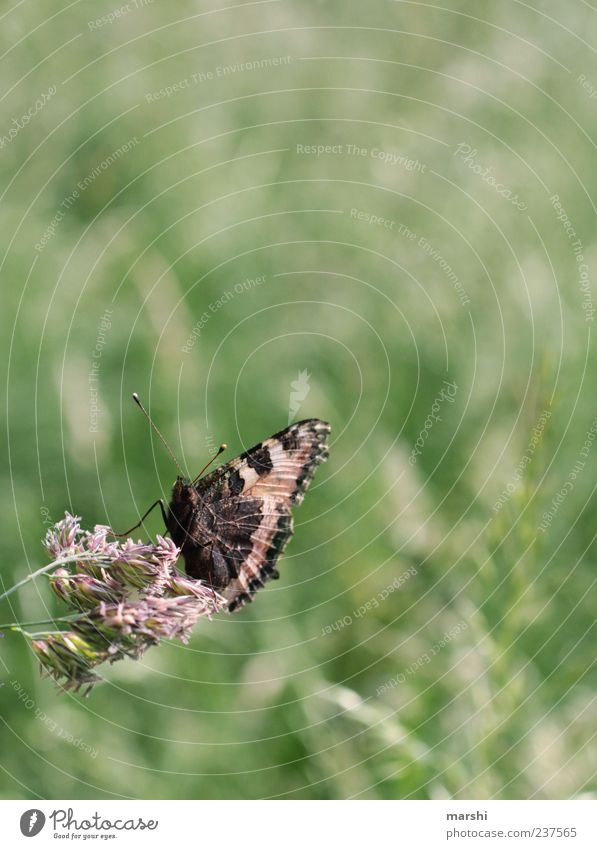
(242, 520)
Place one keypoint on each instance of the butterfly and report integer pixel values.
(232, 525)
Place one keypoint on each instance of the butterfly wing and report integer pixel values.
(249, 501)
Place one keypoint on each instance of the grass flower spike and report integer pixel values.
(123, 599)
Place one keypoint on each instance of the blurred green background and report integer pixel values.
(389, 170)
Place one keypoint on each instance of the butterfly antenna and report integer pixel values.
(155, 427)
(221, 449)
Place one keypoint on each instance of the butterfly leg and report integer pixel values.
(144, 516)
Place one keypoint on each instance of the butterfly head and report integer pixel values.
(183, 492)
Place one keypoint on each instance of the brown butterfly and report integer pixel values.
(232, 525)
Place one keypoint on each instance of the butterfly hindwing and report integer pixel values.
(242, 522)
(249, 543)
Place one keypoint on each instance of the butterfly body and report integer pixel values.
(233, 524)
